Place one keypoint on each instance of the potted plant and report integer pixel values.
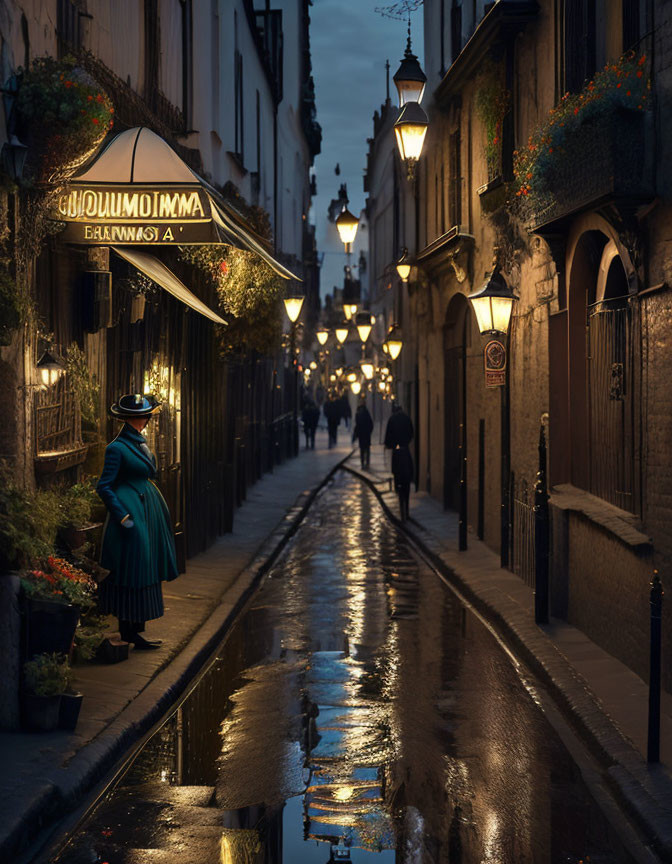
(46, 678)
(50, 618)
(77, 505)
(69, 708)
(56, 596)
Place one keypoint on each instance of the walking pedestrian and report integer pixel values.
(346, 410)
(398, 436)
(332, 412)
(362, 433)
(138, 544)
(310, 417)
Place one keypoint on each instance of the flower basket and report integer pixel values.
(63, 117)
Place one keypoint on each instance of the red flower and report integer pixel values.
(99, 97)
(629, 93)
(642, 60)
(576, 110)
(94, 120)
(89, 98)
(618, 85)
(68, 84)
(639, 73)
(224, 267)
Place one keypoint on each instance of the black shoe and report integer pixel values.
(142, 644)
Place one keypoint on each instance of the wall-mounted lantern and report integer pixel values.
(50, 367)
(493, 304)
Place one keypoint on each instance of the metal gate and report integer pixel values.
(610, 403)
(523, 534)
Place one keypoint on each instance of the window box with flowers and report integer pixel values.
(590, 147)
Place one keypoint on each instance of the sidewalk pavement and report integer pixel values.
(45, 776)
(605, 701)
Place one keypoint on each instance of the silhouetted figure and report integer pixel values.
(332, 412)
(362, 433)
(310, 417)
(398, 436)
(346, 410)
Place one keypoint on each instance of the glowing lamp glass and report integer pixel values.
(410, 129)
(356, 387)
(347, 224)
(394, 347)
(367, 370)
(293, 307)
(404, 271)
(341, 334)
(349, 310)
(322, 336)
(493, 305)
(364, 330)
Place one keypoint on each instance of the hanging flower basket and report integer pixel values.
(62, 116)
(590, 145)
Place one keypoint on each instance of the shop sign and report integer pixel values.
(131, 214)
(495, 363)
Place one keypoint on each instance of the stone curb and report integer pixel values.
(644, 792)
(62, 792)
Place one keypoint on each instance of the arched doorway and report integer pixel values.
(456, 342)
(601, 426)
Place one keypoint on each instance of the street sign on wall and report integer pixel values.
(494, 357)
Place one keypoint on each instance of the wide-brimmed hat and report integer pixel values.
(135, 405)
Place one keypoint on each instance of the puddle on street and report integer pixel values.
(357, 709)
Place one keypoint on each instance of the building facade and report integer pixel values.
(218, 93)
(576, 222)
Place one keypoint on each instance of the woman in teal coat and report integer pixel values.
(138, 545)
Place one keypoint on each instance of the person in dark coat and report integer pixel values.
(310, 417)
(346, 410)
(332, 412)
(362, 433)
(398, 436)
(138, 545)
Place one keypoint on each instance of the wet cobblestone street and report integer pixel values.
(356, 701)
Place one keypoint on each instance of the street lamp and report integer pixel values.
(367, 369)
(404, 266)
(347, 224)
(409, 79)
(493, 304)
(342, 332)
(293, 303)
(394, 341)
(50, 367)
(410, 129)
(363, 323)
(349, 310)
(356, 387)
(322, 335)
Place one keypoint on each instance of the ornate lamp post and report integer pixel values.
(293, 304)
(493, 306)
(364, 326)
(322, 335)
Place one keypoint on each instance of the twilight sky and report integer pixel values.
(350, 43)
